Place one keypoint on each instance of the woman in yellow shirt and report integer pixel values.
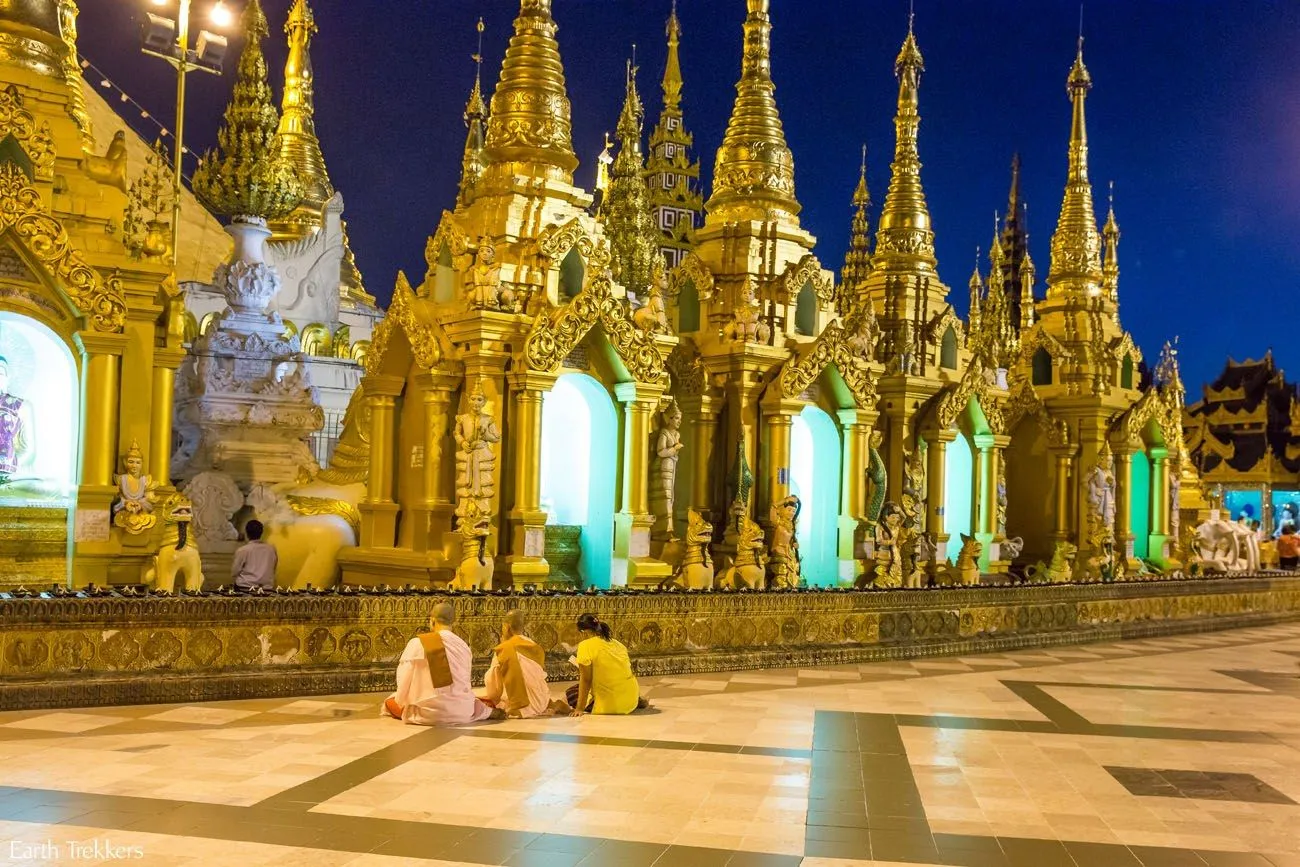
(604, 672)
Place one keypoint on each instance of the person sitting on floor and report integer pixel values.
(516, 679)
(255, 562)
(605, 680)
(433, 678)
(1288, 547)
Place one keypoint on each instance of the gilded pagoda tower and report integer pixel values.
(514, 349)
(625, 211)
(671, 173)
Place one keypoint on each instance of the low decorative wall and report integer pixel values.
(68, 652)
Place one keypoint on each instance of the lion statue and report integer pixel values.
(178, 554)
(1060, 570)
(968, 560)
(748, 570)
(475, 570)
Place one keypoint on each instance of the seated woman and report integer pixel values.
(605, 680)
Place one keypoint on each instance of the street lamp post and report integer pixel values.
(170, 39)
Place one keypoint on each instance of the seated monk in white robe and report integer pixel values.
(433, 678)
(516, 680)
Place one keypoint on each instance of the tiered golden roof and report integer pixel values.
(629, 224)
(672, 174)
(857, 262)
(904, 235)
(1076, 245)
(299, 146)
(471, 163)
(753, 175)
(529, 132)
(1110, 260)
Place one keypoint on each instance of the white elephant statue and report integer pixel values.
(1227, 546)
(308, 524)
(178, 554)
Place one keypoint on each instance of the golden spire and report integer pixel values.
(904, 230)
(1076, 246)
(753, 174)
(672, 84)
(247, 176)
(603, 161)
(1110, 262)
(976, 287)
(299, 146)
(471, 164)
(857, 262)
(72, 73)
(529, 131)
(629, 223)
(1028, 274)
(351, 287)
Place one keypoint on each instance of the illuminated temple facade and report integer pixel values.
(519, 416)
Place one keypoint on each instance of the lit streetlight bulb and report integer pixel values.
(220, 14)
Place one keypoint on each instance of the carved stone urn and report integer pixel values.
(248, 281)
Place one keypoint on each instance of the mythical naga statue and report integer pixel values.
(178, 554)
(747, 325)
(891, 536)
(653, 316)
(784, 558)
(476, 436)
(476, 564)
(748, 568)
(663, 468)
(877, 477)
(485, 290)
(136, 495)
(696, 570)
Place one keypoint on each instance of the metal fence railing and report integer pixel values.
(325, 439)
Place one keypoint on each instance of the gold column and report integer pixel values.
(526, 561)
(633, 523)
(1061, 487)
(1124, 502)
(936, 491)
(378, 510)
(703, 412)
(100, 402)
(434, 521)
(161, 411)
(776, 448)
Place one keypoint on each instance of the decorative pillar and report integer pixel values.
(986, 506)
(936, 488)
(101, 383)
(525, 563)
(633, 523)
(161, 409)
(1124, 503)
(378, 510)
(702, 410)
(775, 468)
(433, 516)
(1159, 545)
(856, 426)
(1061, 488)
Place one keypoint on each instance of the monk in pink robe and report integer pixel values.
(516, 680)
(433, 686)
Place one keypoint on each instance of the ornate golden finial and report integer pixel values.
(529, 122)
(247, 176)
(299, 146)
(672, 84)
(471, 164)
(904, 231)
(629, 223)
(1076, 245)
(976, 287)
(753, 174)
(1110, 262)
(72, 74)
(1028, 275)
(857, 262)
(351, 287)
(145, 231)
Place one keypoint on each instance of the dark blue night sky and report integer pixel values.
(1194, 114)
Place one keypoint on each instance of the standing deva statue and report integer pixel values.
(476, 436)
(784, 561)
(663, 468)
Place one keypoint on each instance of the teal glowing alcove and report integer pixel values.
(1139, 509)
(579, 468)
(815, 480)
(959, 472)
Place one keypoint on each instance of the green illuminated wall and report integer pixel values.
(1140, 506)
(959, 466)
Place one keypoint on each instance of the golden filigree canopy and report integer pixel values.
(529, 123)
(629, 223)
(248, 176)
(1076, 244)
(753, 174)
(904, 234)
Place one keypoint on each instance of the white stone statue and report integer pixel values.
(136, 493)
(1001, 529)
(1101, 501)
(476, 436)
(663, 467)
(178, 555)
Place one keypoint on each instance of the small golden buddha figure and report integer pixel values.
(136, 491)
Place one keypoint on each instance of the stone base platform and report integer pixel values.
(103, 651)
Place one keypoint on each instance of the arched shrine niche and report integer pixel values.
(572, 274)
(815, 479)
(805, 311)
(1030, 479)
(40, 415)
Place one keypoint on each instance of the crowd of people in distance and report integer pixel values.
(433, 676)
